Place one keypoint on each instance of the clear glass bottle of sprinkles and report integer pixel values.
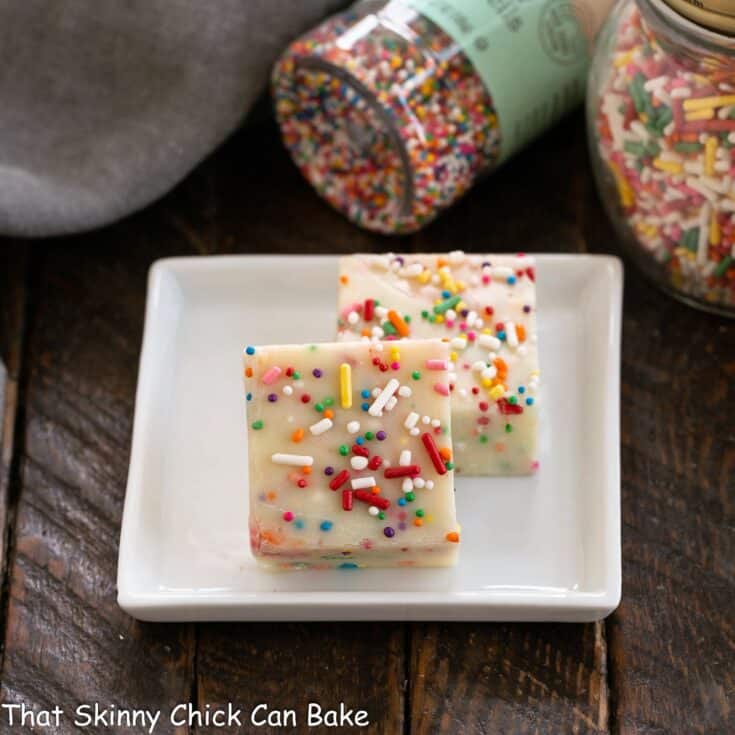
(661, 114)
(393, 109)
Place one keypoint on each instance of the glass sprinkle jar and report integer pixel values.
(661, 117)
(393, 109)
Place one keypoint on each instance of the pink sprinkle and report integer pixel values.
(271, 375)
(395, 365)
(437, 365)
(463, 326)
(486, 280)
(449, 323)
(288, 516)
(471, 336)
(352, 307)
(441, 388)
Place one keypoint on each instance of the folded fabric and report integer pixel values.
(106, 105)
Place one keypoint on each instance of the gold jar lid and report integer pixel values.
(717, 15)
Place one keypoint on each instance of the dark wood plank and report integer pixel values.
(288, 666)
(672, 641)
(514, 678)
(507, 678)
(259, 203)
(13, 303)
(67, 642)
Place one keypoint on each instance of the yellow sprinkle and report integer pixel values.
(453, 356)
(625, 191)
(497, 392)
(647, 230)
(710, 153)
(439, 318)
(715, 234)
(345, 385)
(623, 59)
(706, 114)
(425, 276)
(487, 383)
(671, 167)
(699, 103)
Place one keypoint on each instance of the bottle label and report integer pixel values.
(532, 55)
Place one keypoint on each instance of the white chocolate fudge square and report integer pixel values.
(485, 307)
(350, 459)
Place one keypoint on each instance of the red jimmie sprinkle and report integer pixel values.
(347, 500)
(410, 470)
(368, 311)
(364, 496)
(507, 408)
(339, 480)
(362, 451)
(375, 462)
(433, 453)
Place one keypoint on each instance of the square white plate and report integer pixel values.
(539, 548)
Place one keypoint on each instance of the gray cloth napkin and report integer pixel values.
(106, 104)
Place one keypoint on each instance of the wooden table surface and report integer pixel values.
(71, 319)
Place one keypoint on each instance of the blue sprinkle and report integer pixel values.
(360, 440)
(401, 501)
(326, 525)
(511, 280)
(529, 401)
(446, 294)
(365, 393)
(348, 565)
(365, 406)
(298, 523)
(249, 396)
(250, 350)
(521, 389)
(501, 336)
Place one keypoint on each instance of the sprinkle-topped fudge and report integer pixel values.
(484, 306)
(350, 455)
